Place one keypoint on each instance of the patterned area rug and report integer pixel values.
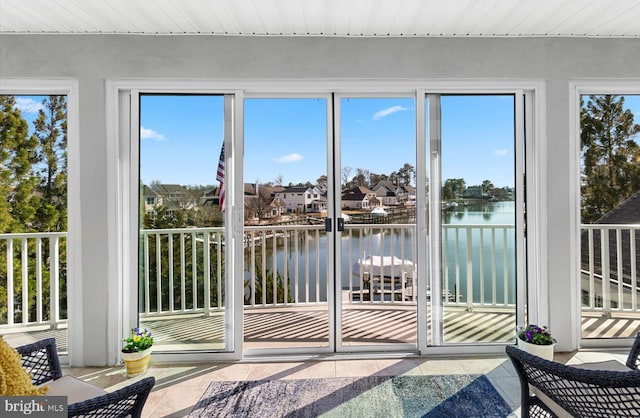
(374, 396)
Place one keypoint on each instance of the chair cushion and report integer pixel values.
(17, 382)
(611, 365)
(74, 389)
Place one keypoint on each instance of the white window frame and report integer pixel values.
(122, 167)
(69, 88)
(578, 88)
(537, 297)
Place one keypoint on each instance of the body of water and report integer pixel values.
(484, 253)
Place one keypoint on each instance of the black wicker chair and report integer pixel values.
(41, 360)
(550, 389)
(632, 360)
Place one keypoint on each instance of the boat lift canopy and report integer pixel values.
(384, 266)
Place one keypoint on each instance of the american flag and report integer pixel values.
(220, 178)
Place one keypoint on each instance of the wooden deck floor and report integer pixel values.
(307, 327)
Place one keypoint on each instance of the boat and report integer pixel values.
(379, 211)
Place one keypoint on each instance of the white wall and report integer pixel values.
(92, 59)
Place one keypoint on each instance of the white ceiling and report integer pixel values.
(354, 18)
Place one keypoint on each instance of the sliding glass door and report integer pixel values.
(288, 258)
(370, 222)
(477, 218)
(182, 286)
(376, 253)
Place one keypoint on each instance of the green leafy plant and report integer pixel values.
(534, 334)
(139, 340)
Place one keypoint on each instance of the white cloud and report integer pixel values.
(386, 112)
(290, 158)
(151, 134)
(28, 105)
(500, 152)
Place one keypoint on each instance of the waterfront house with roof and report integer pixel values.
(151, 199)
(359, 197)
(300, 199)
(386, 192)
(261, 202)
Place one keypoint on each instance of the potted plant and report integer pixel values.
(137, 351)
(536, 340)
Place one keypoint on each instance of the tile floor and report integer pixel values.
(179, 387)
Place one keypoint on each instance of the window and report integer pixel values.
(609, 273)
(39, 164)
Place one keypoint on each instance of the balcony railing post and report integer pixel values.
(158, 273)
(54, 281)
(207, 274)
(606, 273)
(25, 281)
(619, 269)
(592, 288)
(39, 295)
(469, 259)
(219, 276)
(171, 272)
(10, 295)
(634, 278)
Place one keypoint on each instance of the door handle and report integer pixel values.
(340, 224)
(327, 225)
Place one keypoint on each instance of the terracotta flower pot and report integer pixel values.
(137, 362)
(544, 351)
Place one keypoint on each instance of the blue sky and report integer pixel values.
(287, 137)
(181, 137)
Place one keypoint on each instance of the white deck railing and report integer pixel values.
(31, 275)
(474, 259)
(486, 254)
(609, 275)
(287, 265)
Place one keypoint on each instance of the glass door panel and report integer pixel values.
(287, 256)
(376, 251)
(182, 284)
(477, 215)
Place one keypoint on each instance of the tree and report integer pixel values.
(362, 177)
(33, 177)
(377, 178)
(260, 205)
(321, 182)
(165, 218)
(19, 182)
(346, 175)
(12, 130)
(51, 131)
(453, 188)
(610, 170)
(406, 174)
(487, 187)
(278, 180)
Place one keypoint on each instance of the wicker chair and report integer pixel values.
(632, 360)
(41, 360)
(550, 389)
